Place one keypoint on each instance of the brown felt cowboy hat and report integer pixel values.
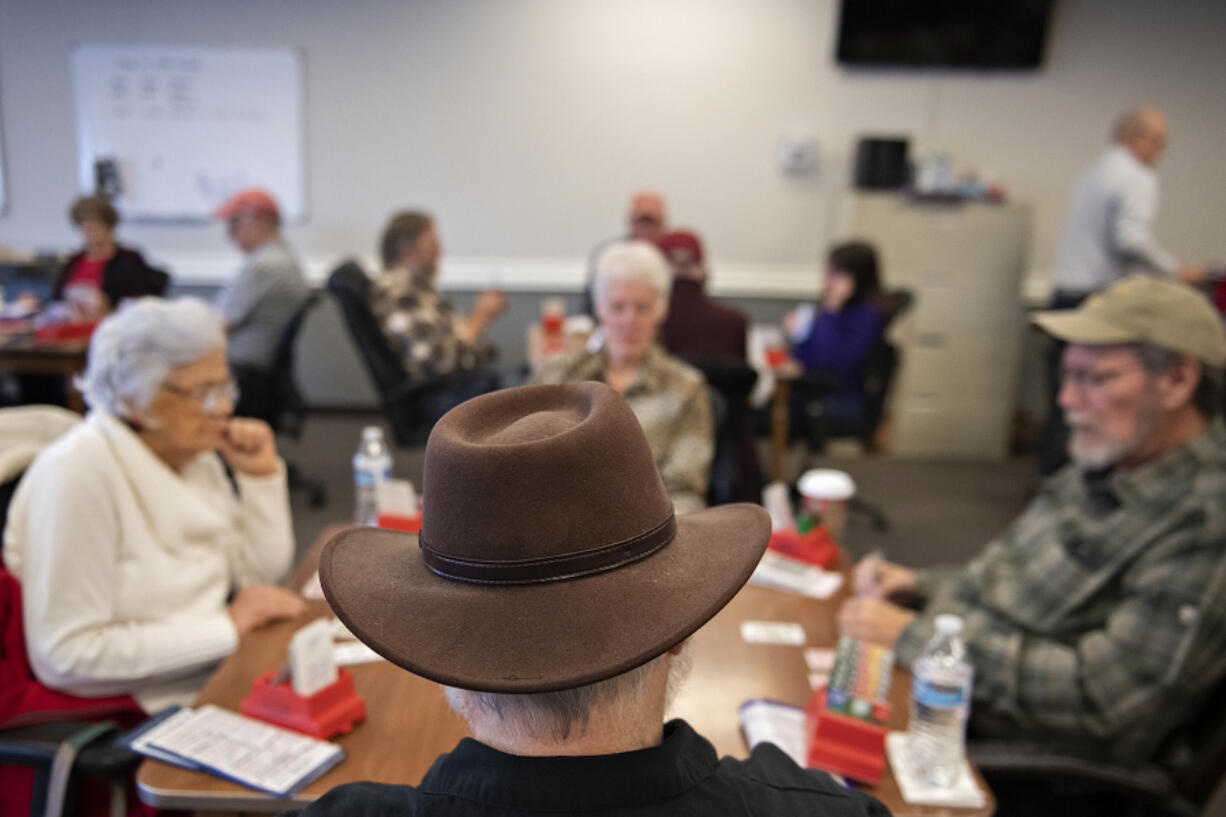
(549, 555)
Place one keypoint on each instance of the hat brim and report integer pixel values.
(1075, 326)
(539, 637)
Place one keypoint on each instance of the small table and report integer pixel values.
(21, 354)
(409, 722)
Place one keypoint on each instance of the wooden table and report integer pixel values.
(20, 354)
(410, 724)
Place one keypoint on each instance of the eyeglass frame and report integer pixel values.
(207, 394)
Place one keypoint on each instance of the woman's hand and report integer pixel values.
(263, 604)
(249, 447)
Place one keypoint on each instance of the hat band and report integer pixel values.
(550, 568)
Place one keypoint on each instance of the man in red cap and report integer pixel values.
(261, 300)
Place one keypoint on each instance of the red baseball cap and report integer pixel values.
(681, 247)
(250, 199)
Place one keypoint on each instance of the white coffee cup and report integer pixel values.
(826, 493)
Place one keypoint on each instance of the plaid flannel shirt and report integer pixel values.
(1097, 620)
(671, 402)
(422, 326)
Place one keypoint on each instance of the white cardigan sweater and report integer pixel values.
(126, 565)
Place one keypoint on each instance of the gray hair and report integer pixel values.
(556, 715)
(133, 350)
(1156, 359)
(633, 261)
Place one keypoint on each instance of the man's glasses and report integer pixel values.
(1090, 378)
(208, 395)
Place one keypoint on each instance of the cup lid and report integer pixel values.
(826, 483)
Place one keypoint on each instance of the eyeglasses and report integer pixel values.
(208, 395)
(1091, 378)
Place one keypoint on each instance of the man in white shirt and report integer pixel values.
(1108, 234)
(1108, 231)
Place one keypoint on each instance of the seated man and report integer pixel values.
(560, 632)
(698, 327)
(259, 303)
(1096, 622)
(426, 332)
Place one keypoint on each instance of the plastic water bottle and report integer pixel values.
(372, 464)
(940, 702)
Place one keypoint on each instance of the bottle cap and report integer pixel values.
(949, 624)
(371, 431)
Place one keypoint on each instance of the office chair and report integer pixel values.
(272, 395)
(881, 364)
(1179, 782)
(735, 475)
(411, 405)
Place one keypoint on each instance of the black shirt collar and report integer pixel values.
(477, 772)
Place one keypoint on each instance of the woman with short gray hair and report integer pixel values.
(668, 396)
(128, 536)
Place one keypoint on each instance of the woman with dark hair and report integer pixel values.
(97, 278)
(847, 323)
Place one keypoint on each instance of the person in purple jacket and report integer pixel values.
(843, 328)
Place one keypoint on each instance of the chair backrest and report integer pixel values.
(881, 362)
(734, 466)
(289, 407)
(350, 285)
(272, 394)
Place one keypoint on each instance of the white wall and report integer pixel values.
(525, 124)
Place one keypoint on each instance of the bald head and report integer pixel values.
(1142, 130)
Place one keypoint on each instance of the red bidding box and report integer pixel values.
(815, 547)
(334, 709)
(840, 743)
(396, 521)
(65, 331)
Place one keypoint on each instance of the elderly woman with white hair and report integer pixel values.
(141, 563)
(669, 397)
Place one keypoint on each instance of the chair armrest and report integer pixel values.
(36, 745)
(1022, 762)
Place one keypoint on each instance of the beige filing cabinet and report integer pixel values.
(961, 343)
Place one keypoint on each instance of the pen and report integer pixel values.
(868, 574)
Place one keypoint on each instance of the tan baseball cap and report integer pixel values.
(1141, 309)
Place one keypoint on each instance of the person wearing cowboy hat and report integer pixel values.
(551, 590)
(1096, 623)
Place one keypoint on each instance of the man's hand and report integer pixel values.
(873, 620)
(248, 446)
(490, 304)
(876, 578)
(263, 604)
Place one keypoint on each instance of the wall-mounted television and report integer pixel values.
(977, 34)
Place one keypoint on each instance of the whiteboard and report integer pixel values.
(187, 127)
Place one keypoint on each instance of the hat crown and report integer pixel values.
(1144, 309)
(540, 475)
(1164, 313)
